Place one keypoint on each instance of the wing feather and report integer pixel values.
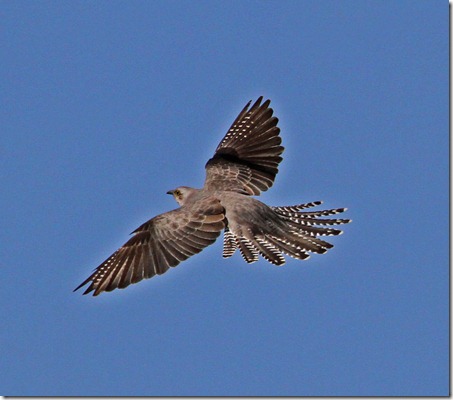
(159, 244)
(247, 158)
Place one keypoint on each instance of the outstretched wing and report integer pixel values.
(159, 244)
(247, 158)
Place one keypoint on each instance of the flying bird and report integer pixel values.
(244, 164)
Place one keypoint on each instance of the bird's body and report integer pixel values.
(244, 164)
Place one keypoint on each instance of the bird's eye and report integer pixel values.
(178, 193)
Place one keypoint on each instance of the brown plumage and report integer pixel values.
(245, 163)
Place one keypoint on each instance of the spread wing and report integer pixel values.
(247, 158)
(162, 242)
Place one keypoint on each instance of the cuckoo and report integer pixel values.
(244, 164)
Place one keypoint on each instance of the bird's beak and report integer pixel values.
(170, 192)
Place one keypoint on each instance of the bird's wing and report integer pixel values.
(247, 158)
(162, 242)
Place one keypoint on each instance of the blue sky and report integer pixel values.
(107, 105)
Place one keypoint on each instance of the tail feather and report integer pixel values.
(247, 249)
(298, 239)
(313, 230)
(288, 247)
(294, 211)
(297, 207)
(229, 244)
(317, 221)
(269, 251)
(312, 243)
(323, 213)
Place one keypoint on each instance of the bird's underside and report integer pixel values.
(245, 163)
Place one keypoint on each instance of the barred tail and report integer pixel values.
(300, 237)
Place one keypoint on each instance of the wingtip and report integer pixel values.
(88, 289)
(258, 104)
(78, 287)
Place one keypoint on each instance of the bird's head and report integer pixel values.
(181, 194)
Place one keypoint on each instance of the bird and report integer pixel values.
(245, 163)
